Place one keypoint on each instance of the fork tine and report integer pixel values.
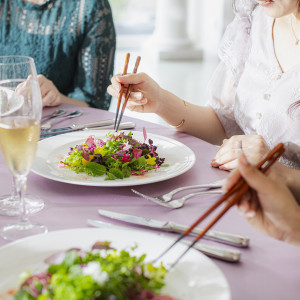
(130, 87)
(122, 89)
(166, 204)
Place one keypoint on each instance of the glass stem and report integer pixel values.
(20, 182)
(13, 189)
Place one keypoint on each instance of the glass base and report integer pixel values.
(10, 206)
(22, 230)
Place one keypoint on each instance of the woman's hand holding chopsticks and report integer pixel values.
(269, 206)
(146, 95)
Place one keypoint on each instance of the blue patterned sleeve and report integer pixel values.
(96, 56)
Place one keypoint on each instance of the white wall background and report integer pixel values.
(188, 79)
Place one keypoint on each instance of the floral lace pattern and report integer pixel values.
(248, 90)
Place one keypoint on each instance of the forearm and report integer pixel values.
(291, 178)
(199, 121)
(293, 236)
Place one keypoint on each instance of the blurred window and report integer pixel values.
(134, 17)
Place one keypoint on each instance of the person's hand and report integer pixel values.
(146, 93)
(50, 94)
(253, 146)
(269, 206)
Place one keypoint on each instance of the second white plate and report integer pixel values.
(194, 277)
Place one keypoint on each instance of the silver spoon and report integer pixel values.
(73, 114)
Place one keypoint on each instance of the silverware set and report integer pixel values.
(59, 115)
(222, 253)
(167, 200)
(58, 118)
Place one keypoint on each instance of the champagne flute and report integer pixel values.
(9, 204)
(21, 110)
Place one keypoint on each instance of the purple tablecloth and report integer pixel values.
(268, 268)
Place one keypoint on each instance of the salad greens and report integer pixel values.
(106, 274)
(120, 156)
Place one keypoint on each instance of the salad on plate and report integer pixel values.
(102, 273)
(119, 156)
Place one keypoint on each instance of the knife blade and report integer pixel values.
(222, 237)
(226, 254)
(107, 124)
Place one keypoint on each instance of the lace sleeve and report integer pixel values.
(233, 53)
(222, 92)
(96, 58)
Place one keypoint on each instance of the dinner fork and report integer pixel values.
(57, 119)
(176, 203)
(213, 185)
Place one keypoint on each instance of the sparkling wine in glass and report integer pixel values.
(19, 132)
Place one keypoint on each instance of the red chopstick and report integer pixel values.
(122, 89)
(129, 89)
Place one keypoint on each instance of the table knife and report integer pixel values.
(222, 237)
(106, 124)
(225, 254)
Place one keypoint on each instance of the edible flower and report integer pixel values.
(100, 150)
(84, 161)
(151, 160)
(126, 157)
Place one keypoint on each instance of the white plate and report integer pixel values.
(52, 150)
(194, 277)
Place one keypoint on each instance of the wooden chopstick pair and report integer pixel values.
(125, 91)
(231, 198)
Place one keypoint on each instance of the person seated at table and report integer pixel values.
(254, 99)
(72, 43)
(269, 206)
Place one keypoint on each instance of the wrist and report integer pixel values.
(163, 102)
(293, 236)
(172, 109)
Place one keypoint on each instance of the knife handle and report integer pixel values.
(93, 124)
(225, 254)
(222, 237)
(122, 126)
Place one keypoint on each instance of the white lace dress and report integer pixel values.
(249, 92)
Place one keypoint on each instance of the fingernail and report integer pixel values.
(144, 101)
(138, 95)
(250, 214)
(118, 77)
